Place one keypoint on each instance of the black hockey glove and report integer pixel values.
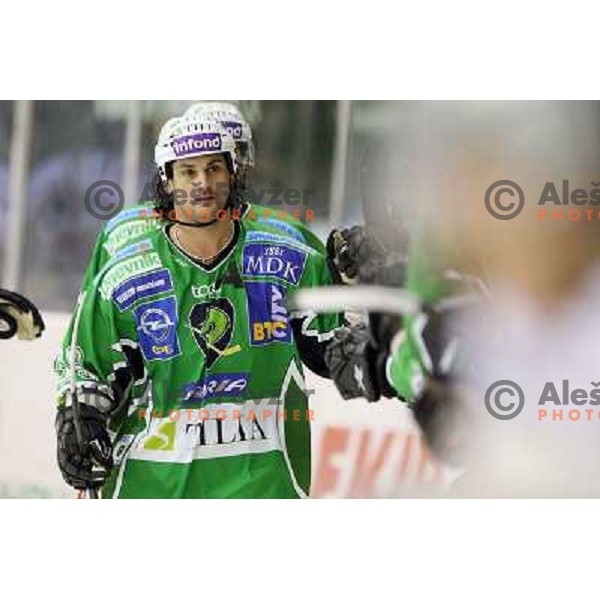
(355, 253)
(357, 365)
(85, 465)
(360, 258)
(19, 316)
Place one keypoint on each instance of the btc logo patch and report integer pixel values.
(267, 315)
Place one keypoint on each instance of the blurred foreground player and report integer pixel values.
(518, 392)
(415, 358)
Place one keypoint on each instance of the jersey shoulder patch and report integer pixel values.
(124, 267)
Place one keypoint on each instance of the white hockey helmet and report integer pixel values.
(191, 135)
(234, 122)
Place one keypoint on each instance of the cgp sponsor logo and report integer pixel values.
(143, 286)
(220, 385)
(267, 315)
(198, 142)
(280, 262)
(157, 329)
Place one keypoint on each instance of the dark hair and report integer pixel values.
(162, 200)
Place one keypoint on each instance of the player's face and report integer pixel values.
(200, 186)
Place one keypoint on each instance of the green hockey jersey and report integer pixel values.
(199, 366)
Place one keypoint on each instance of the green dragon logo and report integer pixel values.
(215, 325)
(212, 326)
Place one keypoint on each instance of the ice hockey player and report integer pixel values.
(181, 360)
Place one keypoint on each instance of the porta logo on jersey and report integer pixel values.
(199, 142)
(267, 315)
(212, 325)
(220, 385)
(143, 286)
(280, 262)
(156, 324)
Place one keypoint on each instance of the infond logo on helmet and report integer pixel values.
(199, 142)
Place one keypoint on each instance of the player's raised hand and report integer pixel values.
(356, 254)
